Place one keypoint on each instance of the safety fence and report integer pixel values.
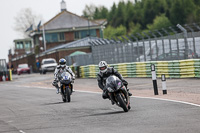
(172, 69)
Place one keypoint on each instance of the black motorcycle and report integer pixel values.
(118, 93)
(65, 86)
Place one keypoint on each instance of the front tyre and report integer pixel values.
(63, 94)
(68, 94)
(122, 102)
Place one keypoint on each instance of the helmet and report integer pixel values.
(103, 66)
(62, 62)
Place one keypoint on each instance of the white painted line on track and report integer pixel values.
(167, 100)
(21, 131)
(92, 92)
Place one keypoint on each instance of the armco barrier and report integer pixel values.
(172, 69)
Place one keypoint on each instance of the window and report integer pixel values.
(55, 37)
(85, 33)
(51, 37)
(19, 45)
(77, 35)
(27, 45)
(61, 36)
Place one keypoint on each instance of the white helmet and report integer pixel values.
(103, 66)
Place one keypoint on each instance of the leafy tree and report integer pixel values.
(182, 11)
(159, 22)
(134, 28)
(110, 31)
(149, 14)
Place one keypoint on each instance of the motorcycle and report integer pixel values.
(118, 93)
(65, 86)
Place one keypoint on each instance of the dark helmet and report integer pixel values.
(62, 62)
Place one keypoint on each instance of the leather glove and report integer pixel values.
(55, 82)
(124, 82)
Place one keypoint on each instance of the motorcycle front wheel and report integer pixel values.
(68, 94)
(122, 102)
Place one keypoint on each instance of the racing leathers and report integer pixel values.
(60, 70)
(101, 78)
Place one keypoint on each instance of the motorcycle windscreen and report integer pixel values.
(113, 82)
(66, 76)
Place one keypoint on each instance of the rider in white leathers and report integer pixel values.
(62, 67)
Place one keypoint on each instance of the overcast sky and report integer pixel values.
(45, 8)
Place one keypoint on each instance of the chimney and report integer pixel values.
(63, 5)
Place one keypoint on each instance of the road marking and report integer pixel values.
(21, 131)
(167, 100)
(92, 92)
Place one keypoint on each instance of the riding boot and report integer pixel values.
(57, 91)
(105, 94)
(129, 93)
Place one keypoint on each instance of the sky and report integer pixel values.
(9, 9)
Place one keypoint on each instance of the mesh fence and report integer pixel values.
(147, 50)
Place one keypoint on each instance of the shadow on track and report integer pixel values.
(102, 114)
(54, 103)
(107, 113)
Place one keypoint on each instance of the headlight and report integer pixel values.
(110, 89)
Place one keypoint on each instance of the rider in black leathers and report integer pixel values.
(104, 73)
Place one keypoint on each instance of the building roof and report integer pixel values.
(79, 43)
(66, 20)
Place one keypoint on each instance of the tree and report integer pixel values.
(159, 22)
(89, 10)
(24, 20)
(134, 28)
(182, 11)
(110, 31)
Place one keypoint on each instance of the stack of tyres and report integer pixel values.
(87, 71)
(131, 70)
(122, 69)
(141, 69)
(148, 69)
(92, 71)
(176, 69)
(162, 68)
(82, 71)
(187, 68)
(197, 68)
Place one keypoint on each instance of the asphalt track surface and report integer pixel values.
(27, 108)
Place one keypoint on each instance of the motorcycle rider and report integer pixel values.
(104, 73)
(62, 67)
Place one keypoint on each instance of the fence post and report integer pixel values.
(170, 45)
(143, 45)
(194, 45)
(185, 38)
(163, 46)
(149, 43)
(153, 72)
